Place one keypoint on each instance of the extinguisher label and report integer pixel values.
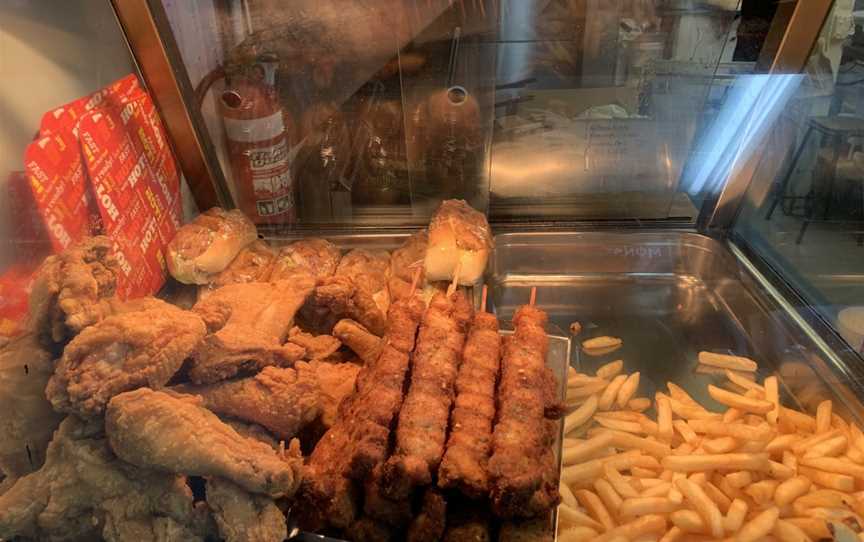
(268, 157)
(253, 130)
(273, 183)
(275, 206)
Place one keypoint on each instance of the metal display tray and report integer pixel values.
(667, 295)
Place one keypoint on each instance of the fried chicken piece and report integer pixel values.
(356, 337)
(343, 298)
(248, 324)
(176, 433)
(28, 420)
(531, 530)
(370, 271)
(83, 484)
(518, 468)
(369, 530)
(121, 353)
(404, 262)
(422, 429)
(253, 263)
(243, 517)
(282, 400)
(72, 289)
(470, 441)
(336, 381)
(375, 505)
(316, 346)
(252, 430)
(361, 432)
(429, 524)
(319, 256)
(467, 526)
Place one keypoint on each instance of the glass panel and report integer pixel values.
(804, 210)
(532, 109)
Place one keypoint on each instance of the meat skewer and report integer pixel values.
(468, 448)
(422, 429)
(522, 482)
(361, 433)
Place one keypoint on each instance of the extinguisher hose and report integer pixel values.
(206, 82)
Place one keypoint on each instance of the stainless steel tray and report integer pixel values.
(668, 295)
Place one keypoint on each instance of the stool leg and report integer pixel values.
(782, 187)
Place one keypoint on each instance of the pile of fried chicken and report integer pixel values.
(145, 420)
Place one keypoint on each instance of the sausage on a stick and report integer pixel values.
(470, 442)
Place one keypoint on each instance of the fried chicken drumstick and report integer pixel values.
(422, 429)
(175, 433)
(468, 447)
(518, 468)
(360, 437)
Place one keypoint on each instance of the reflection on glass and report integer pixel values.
(804, 209)
(527, 108)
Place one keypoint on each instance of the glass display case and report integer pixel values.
(236, 250)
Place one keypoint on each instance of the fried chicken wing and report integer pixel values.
(72, 289)
(429, 524)
(281, 400)
(83, 484)
(121, 353)
(28, 420)
(518, 468)
(252, 264)
(175, 433)
(243, 517)
(319, 256)
(422, 429)
(336, 381)
(248, 324)
(470, 441)
(370, 271)
(356, 337)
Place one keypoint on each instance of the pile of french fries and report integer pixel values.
(758, 471)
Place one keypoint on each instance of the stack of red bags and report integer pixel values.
(99, 165)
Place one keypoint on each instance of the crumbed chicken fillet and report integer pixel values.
(281, 400)
(121, 353)
(176, 434)
(319, 256)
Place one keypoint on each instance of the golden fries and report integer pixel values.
(600, 346)
(610, 370)
(755, 470)
(741, 402)
(725, 361)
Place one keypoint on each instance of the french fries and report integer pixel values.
(600, 346)
(753, 470)
(725, 361)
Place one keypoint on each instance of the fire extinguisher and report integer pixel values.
(257, 131)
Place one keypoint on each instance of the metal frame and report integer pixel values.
(719, 214)
(152, 45)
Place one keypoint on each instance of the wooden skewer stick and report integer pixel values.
(414, 281)
(455, 282)
(483, 299)
(533, 297)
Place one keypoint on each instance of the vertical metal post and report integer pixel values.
(152, 44)
(806, 24)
